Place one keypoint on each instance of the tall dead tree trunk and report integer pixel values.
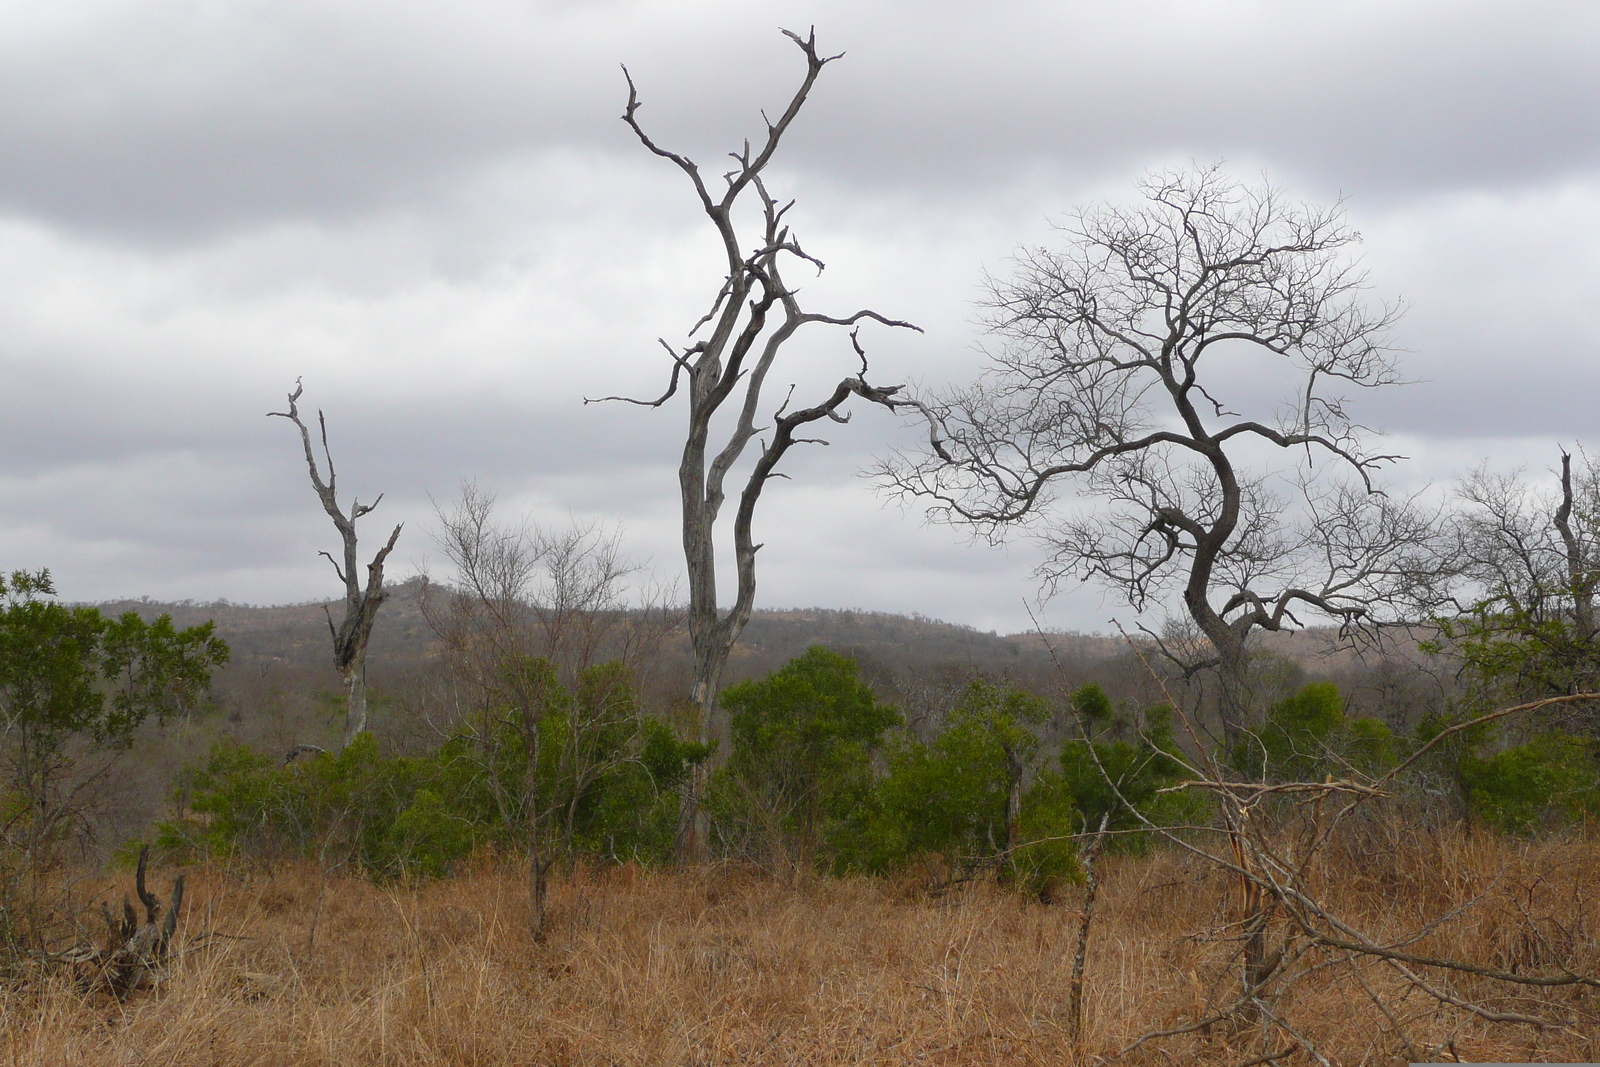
(1581, 575)
(361, 604)
(752, 316)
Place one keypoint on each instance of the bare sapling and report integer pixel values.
(352, 634)
(533, 617)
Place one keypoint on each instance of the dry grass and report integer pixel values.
(721, 967)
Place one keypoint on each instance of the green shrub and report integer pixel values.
(1307, 736)
(950, 796)
(802, 743)
(605, 783)
(1105, 778)
(1553, 778)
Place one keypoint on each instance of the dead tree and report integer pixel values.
(135, 951)
(361, 604)
(1111, 374)
(752, 316)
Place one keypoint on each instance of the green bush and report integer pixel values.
(1121, 781)
(1553, 778)
(950, 796)
(800, 760)
(606, 783)
(1308, 736)
(351, 806)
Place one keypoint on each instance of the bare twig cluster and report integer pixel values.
(1289, 847)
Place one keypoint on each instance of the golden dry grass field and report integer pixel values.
(727, 967)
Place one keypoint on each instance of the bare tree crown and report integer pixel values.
(1111, 375)
(753, 313)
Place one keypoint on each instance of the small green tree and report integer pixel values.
(802, 745)
(73, 682)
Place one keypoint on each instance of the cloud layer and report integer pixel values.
(432, 214)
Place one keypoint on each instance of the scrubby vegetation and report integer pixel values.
(900, 873)
(724, 966)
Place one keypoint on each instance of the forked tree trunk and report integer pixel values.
(351, 636)
(731, 362)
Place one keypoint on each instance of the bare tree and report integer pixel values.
(752, 316)
(1530, 560)
(361, 604)
(1115, 355)
(533, 617)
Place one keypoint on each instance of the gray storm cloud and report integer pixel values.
(432, 213)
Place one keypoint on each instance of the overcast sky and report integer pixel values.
(431, 212)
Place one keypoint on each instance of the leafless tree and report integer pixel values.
(1110, 377)
(361, 604)
(528, 627)
(1530, 564)
(753, 314)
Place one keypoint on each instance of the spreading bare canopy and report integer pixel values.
(1156, 362)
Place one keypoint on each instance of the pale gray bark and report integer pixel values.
(1579, 552)
(752, 316)
(352, 634)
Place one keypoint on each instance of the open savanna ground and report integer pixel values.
(725, 966)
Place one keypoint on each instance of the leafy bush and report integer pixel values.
(1308, 736)
(1546, 780)
(605, 783)
(1105, 778)
(952, 796)
(1551, 779)
(803, 739)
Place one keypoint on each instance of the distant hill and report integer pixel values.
(282, 655)
(295, 636)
